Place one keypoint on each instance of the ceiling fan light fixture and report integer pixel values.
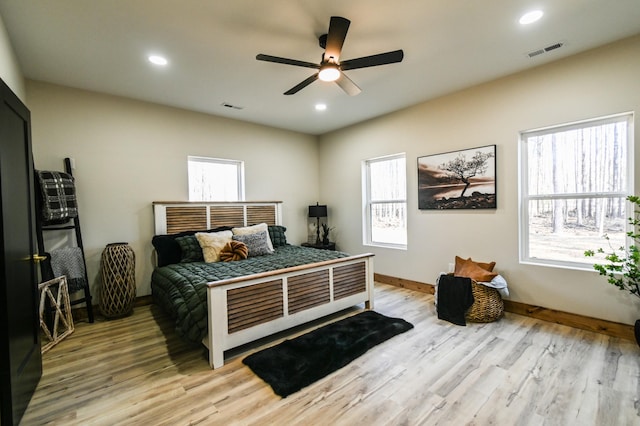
(330, 67)
(329, 72)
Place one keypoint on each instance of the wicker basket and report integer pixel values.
(118, 292)
(487, 306)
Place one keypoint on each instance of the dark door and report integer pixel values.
(21, 362)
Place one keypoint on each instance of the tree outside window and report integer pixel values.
(574, 182)
(385, 195)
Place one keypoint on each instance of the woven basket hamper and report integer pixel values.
(487, 306)
(118, 292)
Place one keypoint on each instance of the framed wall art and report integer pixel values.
(463, 179)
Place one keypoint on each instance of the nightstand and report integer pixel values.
(330, 246)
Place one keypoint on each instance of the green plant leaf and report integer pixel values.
(623, 270)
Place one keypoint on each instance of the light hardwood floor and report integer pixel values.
(517, 371)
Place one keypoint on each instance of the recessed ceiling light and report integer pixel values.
(158, 60)
(531, 17)
(321, 107)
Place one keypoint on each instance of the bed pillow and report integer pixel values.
(190, 250)
(486, 266)
(253, 229)
(234, 250)
(277, 236)
(212, 244)
(168, 250)
(469, 268)
(256, 243)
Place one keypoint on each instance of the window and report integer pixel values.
(215, 179)
(385, 201)
(573, 181)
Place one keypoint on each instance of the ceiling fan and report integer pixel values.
(331, 68)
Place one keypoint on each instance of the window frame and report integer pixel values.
(525, 198)
(367, 202)
(221, 161)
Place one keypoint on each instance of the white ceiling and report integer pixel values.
(211, 45)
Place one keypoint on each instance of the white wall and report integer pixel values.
(9, 67)
(600, 82)
(129, 154)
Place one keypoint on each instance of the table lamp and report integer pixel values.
(318, 211)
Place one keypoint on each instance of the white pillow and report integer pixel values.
(212, 244)
(254, 229)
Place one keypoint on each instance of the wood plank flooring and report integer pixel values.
(517, 371)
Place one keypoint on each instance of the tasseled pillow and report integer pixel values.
(234, 250)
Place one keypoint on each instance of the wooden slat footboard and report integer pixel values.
(245, 309)
(348, 280)
(308, 290)
(253, 305)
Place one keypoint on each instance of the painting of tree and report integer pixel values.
(464, 170)
(458, 180)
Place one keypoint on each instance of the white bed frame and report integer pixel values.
(245, 309)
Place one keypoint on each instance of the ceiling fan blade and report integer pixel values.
(286, 61)
(373, 60)
(302, 85)
(348, 85)
(338, 28)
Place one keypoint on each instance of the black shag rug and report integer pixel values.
(296, 363)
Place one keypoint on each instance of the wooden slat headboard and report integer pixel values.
(177, 216)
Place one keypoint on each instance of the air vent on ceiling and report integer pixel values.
(228, 105)
(545, 50)
(536, 53)
(553, 47)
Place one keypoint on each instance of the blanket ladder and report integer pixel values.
(73, 224)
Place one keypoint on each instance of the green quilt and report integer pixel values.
(180, 289)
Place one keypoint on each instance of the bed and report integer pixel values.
(227, 304)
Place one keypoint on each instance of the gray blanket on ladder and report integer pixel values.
(69, 261)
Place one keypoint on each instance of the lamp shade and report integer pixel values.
(318, 211)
